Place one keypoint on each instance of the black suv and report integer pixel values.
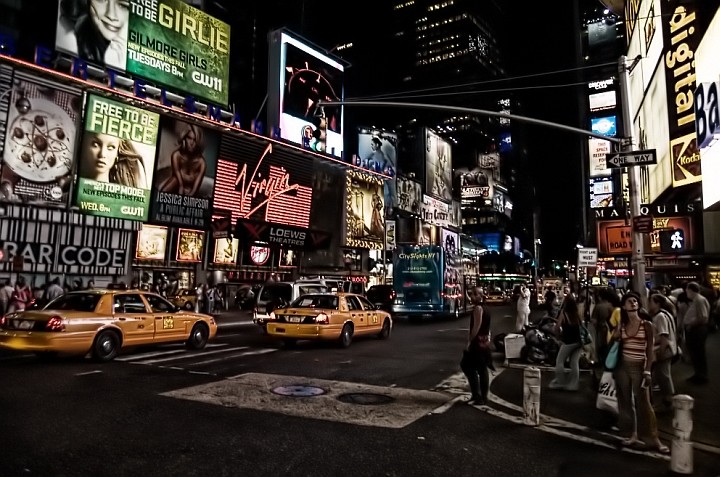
(382, 296)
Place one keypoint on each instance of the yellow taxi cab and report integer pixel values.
(103, 322)
(185, 299)
(329, 316)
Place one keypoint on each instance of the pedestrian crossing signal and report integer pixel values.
(672, 241)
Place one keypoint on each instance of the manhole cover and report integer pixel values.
(365, 399)
(299, 391)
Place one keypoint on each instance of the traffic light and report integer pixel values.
(319, 143)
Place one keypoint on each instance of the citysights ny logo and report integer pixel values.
(264, 191)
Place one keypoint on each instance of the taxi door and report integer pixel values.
(358, 315)
(371, 314)
(169, 324)
(133, 318)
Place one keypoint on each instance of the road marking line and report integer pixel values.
(188, 356)
(239, 355)
(97, 371)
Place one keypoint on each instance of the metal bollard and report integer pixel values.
(681, 457)
(531, 396)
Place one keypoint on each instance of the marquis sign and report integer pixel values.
(279, 235)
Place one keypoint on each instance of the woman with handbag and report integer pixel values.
(477, 356)
(633, 376)
(568, 327)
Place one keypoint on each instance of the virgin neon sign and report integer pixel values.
(265, 193)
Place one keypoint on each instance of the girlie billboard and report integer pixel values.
(38, 140)
(165, 41)
(365, 215)
(438, 166)
(117, 159)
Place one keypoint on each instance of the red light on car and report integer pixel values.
(55, 324)
(322, 319)
(3, 320)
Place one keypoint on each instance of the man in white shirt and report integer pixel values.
(695, 323)
(523, 308)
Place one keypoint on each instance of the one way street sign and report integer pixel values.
(631, 158)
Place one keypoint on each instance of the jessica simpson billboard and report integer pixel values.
(116, 160)
(166, 41)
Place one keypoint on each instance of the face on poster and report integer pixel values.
(39, 148)
(226, 251)
(185, 174)
(151, 243)
(306, 77)
(169, 42)
(365, 209)
(409, 195)
(377, 151)
(190, 245)
(116, 160)
(438, 166)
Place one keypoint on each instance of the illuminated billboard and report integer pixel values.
(39, 142)
(602, 101)
(601, 192)
(151, 243)
(168, 42)
(597, 149)
(377, 151)
(606, 126)
(365, 217)
(190, 244)
(438, 166)
(409, 195)
(299, 77)
(255, 180)
(226, 251)
(185, 174)
(474, 183)
(117, 160)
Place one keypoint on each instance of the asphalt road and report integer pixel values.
(247, 406)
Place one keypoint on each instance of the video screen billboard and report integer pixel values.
(168, 42)
(365, 216)
(607, 126)
(185, 174)
(601, 192)
(39, 144)
(438, 166)
(116, 160)
(301, 76)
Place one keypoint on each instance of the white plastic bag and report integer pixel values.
(606, 399)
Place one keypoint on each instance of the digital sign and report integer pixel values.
(39, 141)
(438, 166)
(256, 180)
(151, 243)
(117, 159)
(475, 184)
(167, 41)
(601, 192)
(185, 174)
(301, 76)
(190, 245)
(365, 215)
(606, 126)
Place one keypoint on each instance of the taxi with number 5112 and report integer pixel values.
(102, 322)
(329, 316)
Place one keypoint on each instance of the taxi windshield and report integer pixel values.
(75, 302)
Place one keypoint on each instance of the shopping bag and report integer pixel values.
(613, 356)
(606, 399)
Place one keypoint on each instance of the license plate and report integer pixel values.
(294, 319)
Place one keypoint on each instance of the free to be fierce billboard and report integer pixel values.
(614, 237)
(258, 180)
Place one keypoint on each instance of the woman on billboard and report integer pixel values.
(95, 30)
(106, 158)
(188, 163)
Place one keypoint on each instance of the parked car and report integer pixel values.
(185, 299)
(382, 296)
(329, 316)
(102, 323)
(274, 295)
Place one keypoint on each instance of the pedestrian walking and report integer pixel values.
(663, 317)
(568, 327)
(477, 356)
(523, 308)
(695, 323)
(6, 291)
(633, 376)
(21, 296)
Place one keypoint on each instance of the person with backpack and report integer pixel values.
(666, 349)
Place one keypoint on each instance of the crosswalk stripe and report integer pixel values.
(187, 356)
(163, 352)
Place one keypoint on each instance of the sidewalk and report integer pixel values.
(579, 407)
